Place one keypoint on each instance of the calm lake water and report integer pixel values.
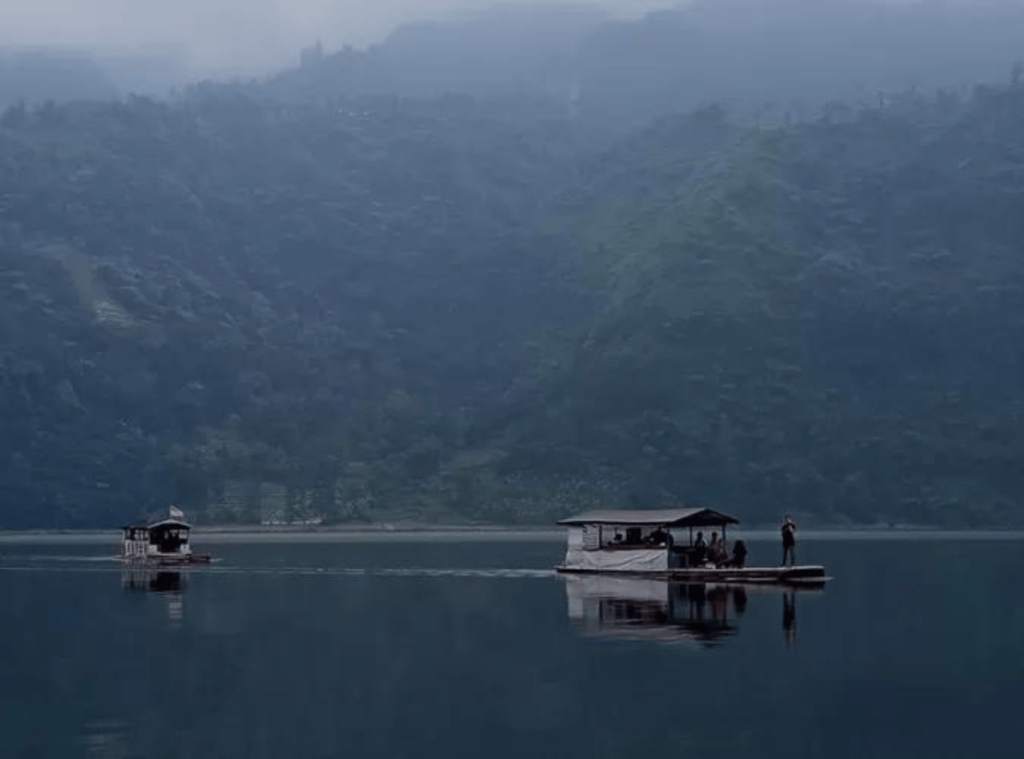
(474, 648)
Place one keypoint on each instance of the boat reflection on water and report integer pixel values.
(704, 615)
(170, 584)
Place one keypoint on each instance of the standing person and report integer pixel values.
(788, 540)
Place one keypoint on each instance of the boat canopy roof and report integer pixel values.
(156, 521)
(170, 523)
(659, 517)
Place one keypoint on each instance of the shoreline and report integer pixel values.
(399, 531)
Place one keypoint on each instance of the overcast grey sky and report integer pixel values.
(227, 34)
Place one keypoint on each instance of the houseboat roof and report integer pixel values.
(170, 523)
(659, 517)
(159, 519)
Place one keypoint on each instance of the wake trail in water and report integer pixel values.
(42, 558)
(90, 564)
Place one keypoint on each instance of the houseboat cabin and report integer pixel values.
(160, 540)
(671, 543)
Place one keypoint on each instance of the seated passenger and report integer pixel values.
(739, 555)
(700, 549)
(722, 557)
(716, 549)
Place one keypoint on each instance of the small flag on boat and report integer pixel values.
(177, 513)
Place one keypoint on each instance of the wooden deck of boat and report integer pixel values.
(810, 574)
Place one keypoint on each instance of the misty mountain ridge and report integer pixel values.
(743, 53)
(38, 75)
(794, 54)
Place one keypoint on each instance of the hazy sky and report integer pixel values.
(226, 34)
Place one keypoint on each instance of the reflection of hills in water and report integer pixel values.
(702, 614)
(167, 583)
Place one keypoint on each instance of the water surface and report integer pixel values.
(473, 647)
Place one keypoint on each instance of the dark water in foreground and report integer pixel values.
(475, 649)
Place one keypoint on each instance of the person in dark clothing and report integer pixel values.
(739, 555)
(700, 548)
(658, 537)
(788, 540)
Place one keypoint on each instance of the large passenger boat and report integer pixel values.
(668, 544)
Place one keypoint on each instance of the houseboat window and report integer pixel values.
(634, 537)
(591, 537)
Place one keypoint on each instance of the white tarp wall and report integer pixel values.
(576, 538)
(617, 559)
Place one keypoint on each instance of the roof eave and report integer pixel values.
(670, 518)
(170, 523)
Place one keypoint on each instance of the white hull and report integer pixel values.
(165, 559)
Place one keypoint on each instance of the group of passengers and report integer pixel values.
(717, 552)
(702, 553)
(659, 537)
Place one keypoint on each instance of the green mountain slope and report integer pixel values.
(817, 318)
(206, 298)
(439, 310)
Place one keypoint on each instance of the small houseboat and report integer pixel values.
(662, 544)
(161, 540)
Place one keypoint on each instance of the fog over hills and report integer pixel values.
(614, 57)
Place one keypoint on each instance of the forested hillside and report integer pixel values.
(227, 292)
(453, 309)
(822, 317)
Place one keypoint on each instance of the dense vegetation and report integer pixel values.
(208, 296)
(820, 317)
(491, 308)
